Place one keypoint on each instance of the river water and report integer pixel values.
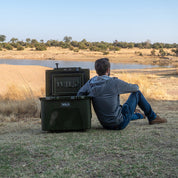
(89, 65)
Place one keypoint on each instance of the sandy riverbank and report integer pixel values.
(122, 56)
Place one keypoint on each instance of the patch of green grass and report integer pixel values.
(140, 150)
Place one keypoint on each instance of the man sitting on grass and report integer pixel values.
(105, 92)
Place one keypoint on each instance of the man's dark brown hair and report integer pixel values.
(102, 65)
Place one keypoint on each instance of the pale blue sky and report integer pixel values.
(94, 20)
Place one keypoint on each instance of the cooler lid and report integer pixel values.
(65, 81)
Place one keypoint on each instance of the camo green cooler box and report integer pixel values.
(61, 109)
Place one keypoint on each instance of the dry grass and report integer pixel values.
(24, 80)
(18, 103)
(21, 93)
(146, 85)
(19, 110)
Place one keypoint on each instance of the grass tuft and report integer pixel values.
(18, 103)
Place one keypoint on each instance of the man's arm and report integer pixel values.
(84, 90)
(124, 87)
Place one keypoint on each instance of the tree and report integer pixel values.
(148, 44)
(115, 42)
(67, 39)
(13, 40)
(87, 44)
(41, 41)
(28, 40)
(34, 42)
(84, 41)
(2, 38)
(21, 43)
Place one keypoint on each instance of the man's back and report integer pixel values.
(105, 91)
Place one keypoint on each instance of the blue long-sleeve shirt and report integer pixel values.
(105, 92)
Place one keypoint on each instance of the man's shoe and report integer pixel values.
(158, 120)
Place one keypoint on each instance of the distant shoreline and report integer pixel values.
(123, 56)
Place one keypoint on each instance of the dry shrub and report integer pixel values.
(18, 103)
(15, 110)
(21, 93)
(17, 93)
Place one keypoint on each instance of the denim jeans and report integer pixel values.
(129, 107)
(136, 116)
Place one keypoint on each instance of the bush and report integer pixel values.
(76, 50)
(105, 52)
(14, 110)
(111, 48)
(130, 45)
(102, 46)
(138, 53)
(175, 51)
(82, 46)
(162, 52)
(20, 48)
(53, 43)
(153, 52)
(14, 45)
(117, 48)
(94, 48)
(114, 48)
(9, 47)
(75, 43)
(0, 49)
(65, 45)
(71, 48)
(40, 47)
